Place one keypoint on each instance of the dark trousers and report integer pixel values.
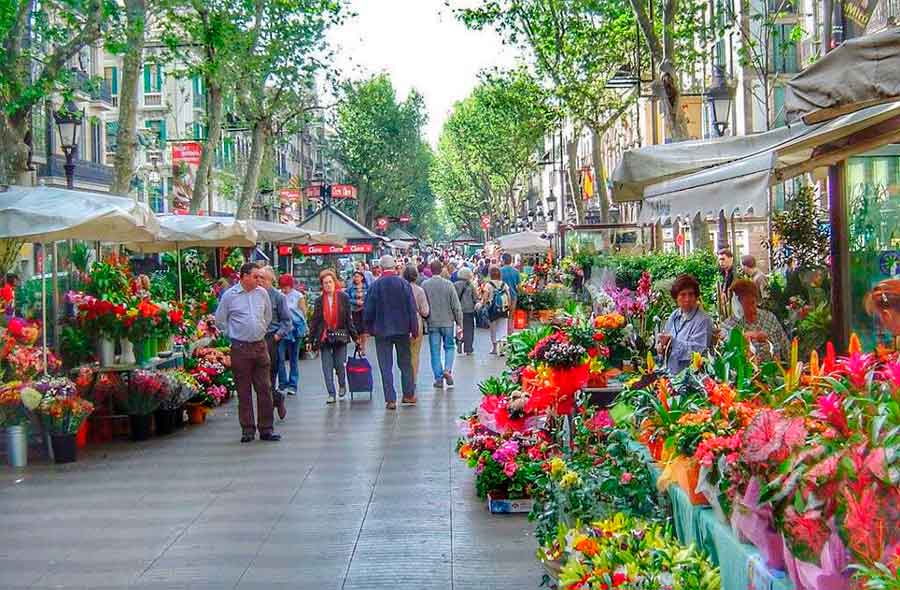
(468, 339)
(276, 361)
(384, 349)
(251, 365)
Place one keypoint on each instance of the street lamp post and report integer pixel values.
(68, 121)
(719, 97)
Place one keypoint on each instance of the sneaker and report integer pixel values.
(448, 378)
(439, 384)
(271, 437)
(409, 401)
(330, 400)
(391, 405)
(248, 438)
(342, 392)
(292, 392)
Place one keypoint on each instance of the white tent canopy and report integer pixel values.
(198, 231)
(48, 214)
(526, 242)
(283, 233)
(743, 185)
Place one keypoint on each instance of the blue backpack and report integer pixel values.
(499, 307)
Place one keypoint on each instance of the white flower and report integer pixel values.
(31, 398)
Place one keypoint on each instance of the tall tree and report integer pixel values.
(379, 143)
(38, 40)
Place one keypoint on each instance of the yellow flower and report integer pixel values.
(557, 466)
(569, 480)
(696, 361)
(465, 451)
(612, 525)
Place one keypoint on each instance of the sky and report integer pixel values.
(422, 46)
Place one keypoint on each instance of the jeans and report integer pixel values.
(289, 350)
(334, 359)
(384, 349)
(437, 336)
(468, 332)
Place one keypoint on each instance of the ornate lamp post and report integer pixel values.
(68, 122)
(718, 98)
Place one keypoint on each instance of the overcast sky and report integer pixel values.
(421, 46)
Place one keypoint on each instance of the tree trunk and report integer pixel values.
(254, 163)
(214, 116)
(577, 200)
(13, 148)
(132, 62)
(599, 175)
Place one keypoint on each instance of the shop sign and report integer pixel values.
(290, 205)
(185, 163)
(315, 250)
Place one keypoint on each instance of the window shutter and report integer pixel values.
(147, 79)
(114, 83)
(162, 133)
(779, 106)
(159, 77)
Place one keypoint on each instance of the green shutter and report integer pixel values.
(114, 83)
(779, 106)
(159, 77)
(162, 133)
(195, 84)
(147, 79)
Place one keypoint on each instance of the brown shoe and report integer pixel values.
(282, 411)
(448, 378)
(391, 405)
(409, 401)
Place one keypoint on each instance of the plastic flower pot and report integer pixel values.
(17, 445)
(64, 448)
(520, 319)
(163, 344)
(165, 421)
(81, 437)
(127, 357)
(153, 349)
(106, 351)
(683, 471)
(196, 413)
(141, 426)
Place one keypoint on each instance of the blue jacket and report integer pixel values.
(391, 308)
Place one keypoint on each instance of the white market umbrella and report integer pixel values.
(283, 233)
(198, 231)
(50, 214)
(526, 242)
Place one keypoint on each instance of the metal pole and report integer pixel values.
(840, 257)
(55, 283)
(44, 306)
(178, 258)
(69, 167)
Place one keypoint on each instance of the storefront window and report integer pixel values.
(873, 193)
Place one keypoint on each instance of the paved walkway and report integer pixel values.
(354, 497)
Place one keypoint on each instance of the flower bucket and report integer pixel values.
(165, 421)
(685, 472)
(753, 523)
(81, 437)
(829, 574)
(101, 430)
(163, 344)
(196, 413)
(17, 445)
(141, 426)
(153, 348)
(106, 352)
(520, 319)
(64, 448)
(127, 357)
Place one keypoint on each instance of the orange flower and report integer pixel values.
(662, 392)
(588, 546)
(722, 395)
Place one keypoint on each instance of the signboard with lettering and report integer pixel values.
(290, 205)
(315, 250)
(185, 163)
(338, 191)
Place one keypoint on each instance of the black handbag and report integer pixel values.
(339, 336)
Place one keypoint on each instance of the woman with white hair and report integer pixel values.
(468, 297)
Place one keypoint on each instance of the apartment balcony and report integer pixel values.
(85, 171)
(95, 89)
(153, 100)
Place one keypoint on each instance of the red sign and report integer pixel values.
(338, 191)
(405, 218)
(485, 222)
(348, 249)
(679, 240)
(381, 223)
(185, 163)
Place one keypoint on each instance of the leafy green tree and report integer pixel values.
(379, 142)
(38, 39)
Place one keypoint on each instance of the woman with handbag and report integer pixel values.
(357, 292)
(331, 329)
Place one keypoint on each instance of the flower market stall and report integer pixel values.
(734, 474)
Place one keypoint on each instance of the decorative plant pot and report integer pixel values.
(127, 357)
(64, 448)
(165, 421)
(141, 426)
(753, 523)
(17, 445)
(520, 319)
(683, 471)
(153, 348)
(81, 437)
(196, 413)
(106, 351)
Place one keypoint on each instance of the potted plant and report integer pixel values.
(17, 401)
(171, 407)
(141, 399)
(62, 412)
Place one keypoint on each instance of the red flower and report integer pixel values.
(599, 337)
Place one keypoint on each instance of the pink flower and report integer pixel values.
(599, 421)
(510, 469)
(830, 407)
(626, 478)
(507, 452)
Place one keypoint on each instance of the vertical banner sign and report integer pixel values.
(485, 222)
(289, 198)
(587, 184)
(381, 223)
(185, 163)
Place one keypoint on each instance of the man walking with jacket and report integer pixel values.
(446, 313)
(279, 328)
(392, 317)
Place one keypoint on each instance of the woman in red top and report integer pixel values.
(331, 329)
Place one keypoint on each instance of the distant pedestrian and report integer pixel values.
(495, 297)
(280, 327)
(289, 347)
(468, 298)
(443, 322)
(511, 277)
(331, 330)
(391, 317)
(244, 314)
(357, 292)
(412, 276)
(748, 265)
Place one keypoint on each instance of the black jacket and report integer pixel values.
(344, 319)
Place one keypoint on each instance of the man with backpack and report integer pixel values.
(511, 279)
(495, 306)
(445, 313)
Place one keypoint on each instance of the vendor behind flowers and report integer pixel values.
(760, 327)
(688, 329)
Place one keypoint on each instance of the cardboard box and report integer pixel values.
(506, 506)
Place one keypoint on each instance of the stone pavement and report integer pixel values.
(354, 497)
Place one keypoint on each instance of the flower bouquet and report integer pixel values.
(26, 362)
(17, 401)
(506, 466)
(61, 409)
(145, 393)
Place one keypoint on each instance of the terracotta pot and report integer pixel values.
(196, 413)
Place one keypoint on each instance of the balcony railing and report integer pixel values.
(85, 170)
(153, 99)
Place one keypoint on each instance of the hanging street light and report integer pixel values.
(719, 98)
(68, 121)
(551, 206)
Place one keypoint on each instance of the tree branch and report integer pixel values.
(640, 13)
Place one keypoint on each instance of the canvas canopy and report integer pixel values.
(48, 214)
(526, 242)
(198, 231)
(283, 233)
(860, 72)
(742, 186)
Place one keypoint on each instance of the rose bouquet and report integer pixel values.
(146, 392)
(99, 317)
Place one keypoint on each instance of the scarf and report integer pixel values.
(329, 313)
